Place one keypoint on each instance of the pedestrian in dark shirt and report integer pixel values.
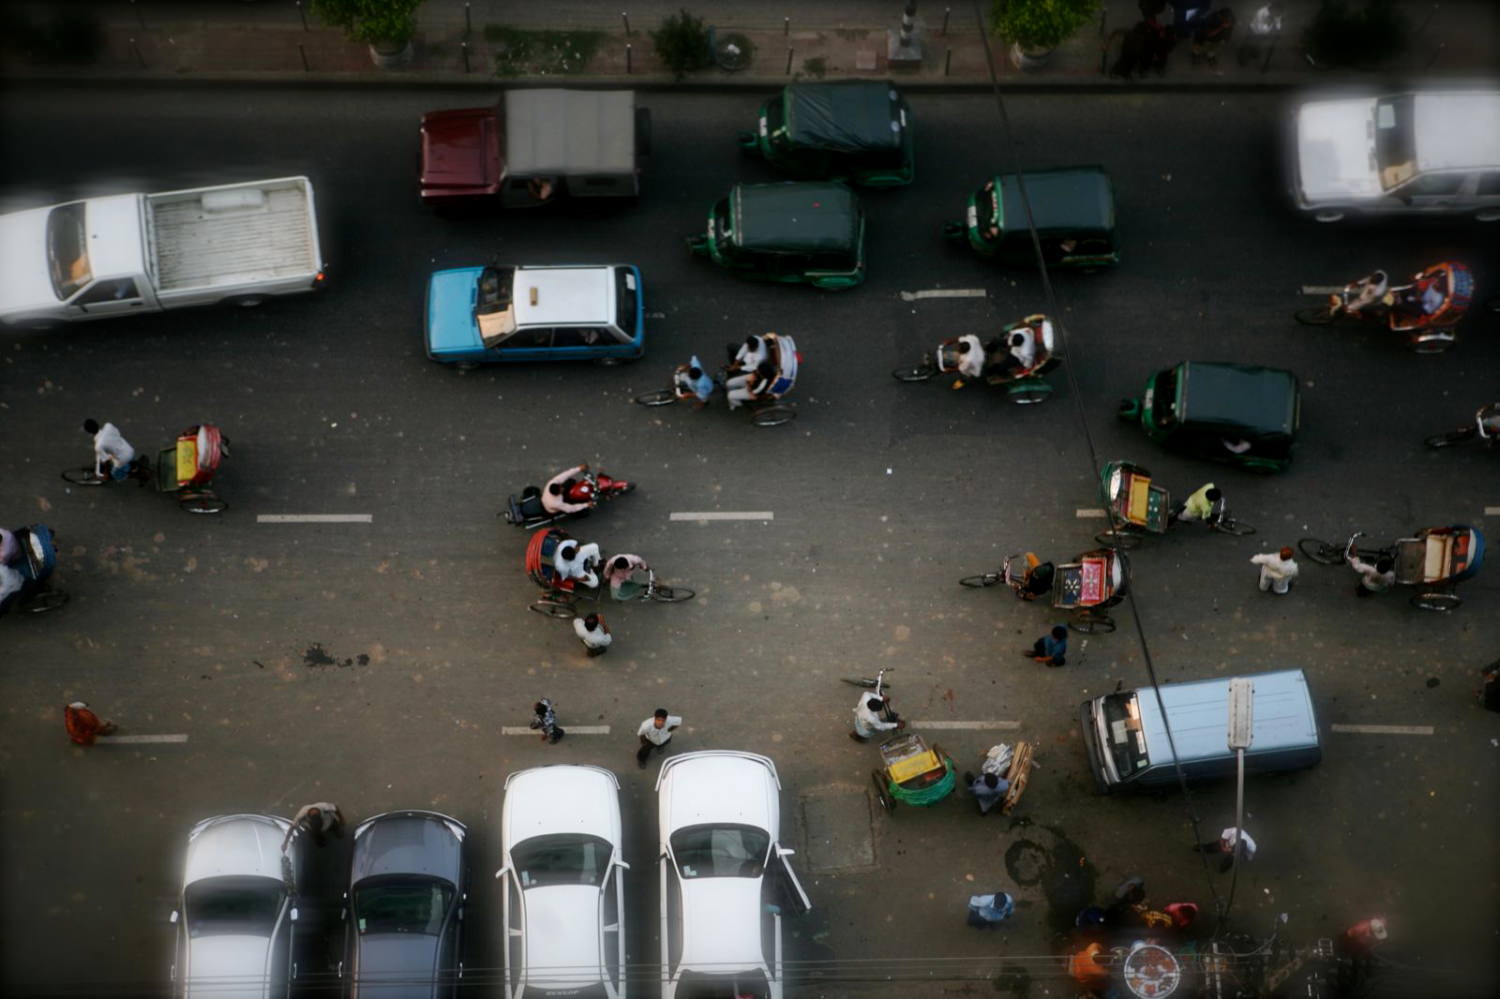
(546, 720)
(1051, 649)
(317, 820)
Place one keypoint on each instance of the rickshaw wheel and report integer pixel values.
(981, 581)
(1321, 551)
(1235, 527)
(45, 601)
(1023, 394)
(1120, 540)
(882, 793)
(1435, 342)
(202, 503)
(661, 397)
(914, 373)
(1090, 623)
(1451, 437)
(83, 477)
(1319, 315)
(1436, 600)
(560, 609)
(671, 594)
(773, 416)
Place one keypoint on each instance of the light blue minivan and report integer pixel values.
(588, 312)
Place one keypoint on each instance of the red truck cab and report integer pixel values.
(461, 154)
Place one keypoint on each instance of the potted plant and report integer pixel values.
(1036, 27)
(682, 44)
(387, 26)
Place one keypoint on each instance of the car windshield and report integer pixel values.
(1395, 140)
(727, 851)
(234, 906)
(1122, 730)
(563, 859)
(742, 985)
(626, 294)
(402, 905)
(67, 250)
(492, 304)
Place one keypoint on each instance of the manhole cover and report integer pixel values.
(836, 829)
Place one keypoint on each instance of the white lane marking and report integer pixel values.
(569, 729)
(1322, 289)
(656, 315)
(1089, 511)
(725, 515)
(912, 296)
(1492, 511)
(986, 725)
(132, 739)
(1384, 729)
(315, 518)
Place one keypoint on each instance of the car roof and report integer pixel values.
(1261, 401)
(573, 295)
(1282, 718)
(563, 944)
(1455, 130)
(569, 132)
(1066, 199)
(721, 929)
(718, 787)
(795, 217)
(230, 845)
(561, 799)
(852, 116)
(409, 842)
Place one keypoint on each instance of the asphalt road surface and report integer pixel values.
(375, 663)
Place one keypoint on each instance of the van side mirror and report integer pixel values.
(173, 917)
(502, 872)
(293, 914)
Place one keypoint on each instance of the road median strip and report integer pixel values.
(724, 515)
(1384, 729)
(569, 729)
(131, 740)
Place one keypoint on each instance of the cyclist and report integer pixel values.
(1206, 504)
(620, 572)
(690, 381)
(111, 447)
(968, 352)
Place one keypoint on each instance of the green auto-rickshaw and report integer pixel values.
(1073, 209)
(793, 232)
(1237, 413)
(857, 131)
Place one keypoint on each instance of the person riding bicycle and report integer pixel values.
(110, 447)
(872, 716)
(690, 381)
(1487, 419)
(573, 561)
(1037, 580)
(967, 355)
(11, 580)
(568, 491)
(1206, 504)
(620, 572)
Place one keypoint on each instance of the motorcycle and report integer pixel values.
(590, 487)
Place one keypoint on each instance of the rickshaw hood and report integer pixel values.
(1072, 200)
(852, 117)
(795, 217)
(450, 311)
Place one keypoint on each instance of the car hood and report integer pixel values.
(24, 281)
(228, 966)
(450, 310)
(563, 942)
(1335, 150)
(561, 799)
(396, 966)
(460, 148)
(721, 924)
(230, 845)
(718, 787)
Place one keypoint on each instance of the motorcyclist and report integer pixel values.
(568, 491)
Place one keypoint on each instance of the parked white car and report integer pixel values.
(1429, 153)
(562, 892)
(237, 912)
(726, 881)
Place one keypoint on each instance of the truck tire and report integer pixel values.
(248, 301)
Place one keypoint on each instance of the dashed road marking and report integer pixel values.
(724, 515)
(1322, 289)
(1492, 511)
(120, 740)
(1384, 729)
(912, 296)
(569, 729)
(983, 725)
(1089, 511)
(315, 518)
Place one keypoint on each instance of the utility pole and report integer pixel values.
(1241, 733)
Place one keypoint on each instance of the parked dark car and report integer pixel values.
(1238, 413)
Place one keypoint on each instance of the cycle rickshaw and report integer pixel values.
(1136, 505)
(560, 599)
(186, 467)
(1022, 385)
(39, 559)
(765, 411)
(1435, 560)
(912, 773)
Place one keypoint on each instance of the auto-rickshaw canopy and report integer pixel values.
(795, 217)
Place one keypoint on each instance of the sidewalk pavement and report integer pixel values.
(585, 42)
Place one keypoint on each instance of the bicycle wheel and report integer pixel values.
(1432, 342)
(882, 792)
(1451, 437)
(867, 682)
(560, 609)
(1226, 525)
(773, 416)
(1120, 540)
(1321, 551)
(661, 397)
(1320, 315)
(202, 503)
(84, 477)
(980, 581)
(1091, 622)
(671, 594)
(45, 601)
(915, 373)
(1436, 600)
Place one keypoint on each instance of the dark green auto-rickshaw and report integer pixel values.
(857, 131)
(793, 232)
(1238, 413)
(1074, 211)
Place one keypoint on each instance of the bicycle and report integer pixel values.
(561, 605)
(762, 414)
(1485, 415)
(876, 683)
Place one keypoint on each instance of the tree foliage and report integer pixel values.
(370, 21)
(1040, 24)
(682, 43)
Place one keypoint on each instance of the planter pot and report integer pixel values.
(1029, 60)
(390, 55)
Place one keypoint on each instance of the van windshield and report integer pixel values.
(625, 300)
(68, 250)
(1395, 140)
(1123, 734)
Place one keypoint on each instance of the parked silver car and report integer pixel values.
(1422, 153)
(237, 911)
(404, 910)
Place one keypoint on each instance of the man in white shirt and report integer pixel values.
(110, 447)
(969, 352)
(575, 561)
(1023, 347)
(1277, 570)
(655, 732)
(555, 493)
(1228, 840)
(1373, 578)
(593, 633)
(752, 353)
(868, 719)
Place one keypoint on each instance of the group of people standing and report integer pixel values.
(654, 734)
(1146, 46)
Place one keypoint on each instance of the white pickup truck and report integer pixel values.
(133, 253)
